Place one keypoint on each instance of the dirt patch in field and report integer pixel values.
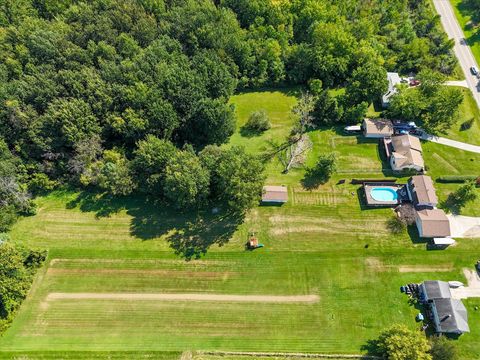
(185, 297)
(300, 229)
(375, 264)
(378, 265)
(145, 272)
(424, 269)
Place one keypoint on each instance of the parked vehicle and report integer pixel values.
(352, 129)
(399, 125)
(474, 70)
(414, 82)
(416, 132)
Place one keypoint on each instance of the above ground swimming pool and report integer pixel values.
(385, 194)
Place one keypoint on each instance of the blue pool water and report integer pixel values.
(384, 194)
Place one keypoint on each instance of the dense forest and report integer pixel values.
(132, 95)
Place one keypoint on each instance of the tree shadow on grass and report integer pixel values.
(312, 180)
(189, 234)
(451, 205)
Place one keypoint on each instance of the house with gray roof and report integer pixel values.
(434, 289)
(449, 315)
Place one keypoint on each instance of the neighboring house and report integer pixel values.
(275, 194)
(421, 191)
(377, 128)
(432, 223)
(406, 153)
(393, 80)
(449, 315)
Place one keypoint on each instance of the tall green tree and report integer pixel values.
(443, 348)
(237, 178)
(149, 163)
(186, 181)
(401, 343)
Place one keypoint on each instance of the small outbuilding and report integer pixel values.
(433, 223)
(377, 128)
(275, 194)
(393, 80)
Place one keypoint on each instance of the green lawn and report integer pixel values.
(466, 18)
(321, 242)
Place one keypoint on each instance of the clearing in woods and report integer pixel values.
(323, 245)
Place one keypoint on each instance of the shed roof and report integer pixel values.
(378, 126)
(434, 223)
(436, 289)
(422, 189)
(275, 194)
(451, 316)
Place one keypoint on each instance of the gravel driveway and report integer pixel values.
(464, 226)
(470, 291)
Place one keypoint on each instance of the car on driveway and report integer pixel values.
(474, 70)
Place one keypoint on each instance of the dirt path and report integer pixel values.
(185, 297)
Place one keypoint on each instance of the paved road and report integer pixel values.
(462, 50)
(452, 143)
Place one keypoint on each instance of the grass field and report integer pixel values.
(322, 242)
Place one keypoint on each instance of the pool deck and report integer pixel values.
(399, 188)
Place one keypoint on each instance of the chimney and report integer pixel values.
(446, 317)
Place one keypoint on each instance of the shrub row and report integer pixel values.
(457, 179)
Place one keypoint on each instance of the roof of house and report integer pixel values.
(408, 157)
(404, 142)
(452, 316)
(434, 223)
(436, 289)
(393, 79)
(423, 189)
(275, 194)
(378, 126)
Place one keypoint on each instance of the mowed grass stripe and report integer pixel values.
(184, 297)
